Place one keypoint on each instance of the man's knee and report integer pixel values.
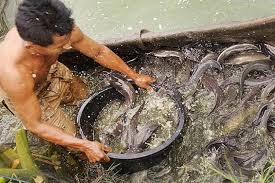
(78, 90)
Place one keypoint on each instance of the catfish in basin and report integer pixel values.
(135, 135)
(127, 90)
(124, 87)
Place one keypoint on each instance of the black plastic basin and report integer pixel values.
(127, 163)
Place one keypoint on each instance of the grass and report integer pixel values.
(227, 176)
(97, 174)
(265, 176)
(268, 174)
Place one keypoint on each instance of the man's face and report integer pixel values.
(60, 44)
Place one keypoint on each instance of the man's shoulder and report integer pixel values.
(12, 76)
(12, 71)
(12, 37)
(12, 34)
(11, 48)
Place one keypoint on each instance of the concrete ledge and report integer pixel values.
(257, 30)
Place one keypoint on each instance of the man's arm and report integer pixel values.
(104, 56)
(19, 89)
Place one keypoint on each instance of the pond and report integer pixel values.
(103, 19)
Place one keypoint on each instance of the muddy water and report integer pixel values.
(104, 19)
(190, 160)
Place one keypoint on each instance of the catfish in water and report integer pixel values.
(207, 63)
(168, 53)
(236, 49)
(212, 85)
(264, 66)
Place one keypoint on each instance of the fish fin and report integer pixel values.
(134, 117)
(144, 133)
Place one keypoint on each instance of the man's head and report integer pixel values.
(45, 25)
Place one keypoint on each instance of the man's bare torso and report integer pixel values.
(15, 57)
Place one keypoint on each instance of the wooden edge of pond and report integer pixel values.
(253, 31)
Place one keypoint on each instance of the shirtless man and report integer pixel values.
(33, 83)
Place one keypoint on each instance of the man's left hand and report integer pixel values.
(144, 81)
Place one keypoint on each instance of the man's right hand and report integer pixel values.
(95, 151)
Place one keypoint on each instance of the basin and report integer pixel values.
(126, 163)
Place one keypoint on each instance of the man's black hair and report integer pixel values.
(38, 20)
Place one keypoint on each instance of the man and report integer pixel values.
(33, 83)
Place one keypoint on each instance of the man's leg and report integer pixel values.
(50, 105)
(78, 91)
(52, 94)
(59, 119)
(63, 88)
